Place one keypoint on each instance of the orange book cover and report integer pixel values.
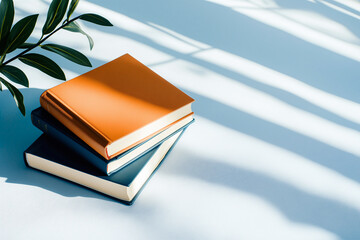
(117, 105)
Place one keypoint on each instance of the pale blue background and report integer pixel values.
(273, 154)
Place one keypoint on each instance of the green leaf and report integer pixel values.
(0, 86)
(18, 97)
(26, 45)
(74, 27)
(20, 32)
(6, 19)
(15, 75)
(73, 5)
(44, 64)
(68, 53)
(94, 18)
(56, 12)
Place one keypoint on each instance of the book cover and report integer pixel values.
(52, 127)
(117, 105)
(50, 156)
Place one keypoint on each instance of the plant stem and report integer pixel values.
(38, 43)
(2, 59)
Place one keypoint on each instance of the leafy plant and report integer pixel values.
(13, 38)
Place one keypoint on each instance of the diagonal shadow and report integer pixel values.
(319, 152)
(249, 39)
(320, 7)
(324, 10)
(342, 6)
(296, 205)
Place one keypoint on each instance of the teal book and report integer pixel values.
(50, 156)
(53, 128)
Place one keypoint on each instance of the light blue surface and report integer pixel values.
(275, 150)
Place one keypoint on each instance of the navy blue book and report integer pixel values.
(52, 127)
(51, 156)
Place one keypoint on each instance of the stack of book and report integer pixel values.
(110, 128)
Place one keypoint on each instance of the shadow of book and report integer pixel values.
(17, 133)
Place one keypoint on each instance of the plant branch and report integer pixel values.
(2, 59)
(39, 42)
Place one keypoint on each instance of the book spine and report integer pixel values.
(64, 115)
(48, 128)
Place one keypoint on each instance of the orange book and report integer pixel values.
(117, 105)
